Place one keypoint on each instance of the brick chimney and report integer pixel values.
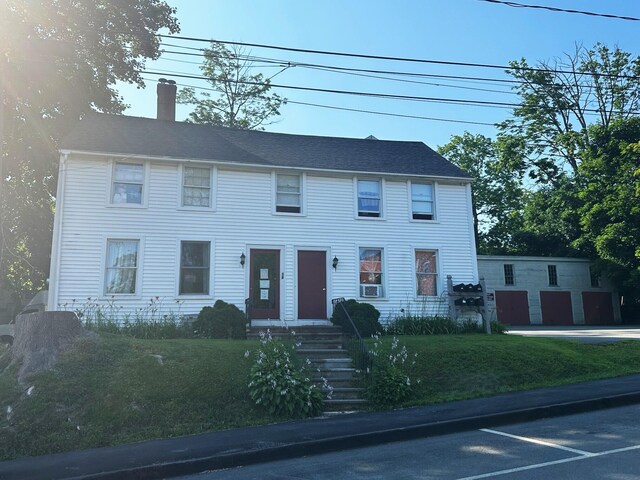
(166, 99)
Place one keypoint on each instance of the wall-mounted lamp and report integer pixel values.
(242, 259)
(335, 263)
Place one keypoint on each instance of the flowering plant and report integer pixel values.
(279, 384)
(390, 383)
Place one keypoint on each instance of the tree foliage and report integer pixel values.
(559, 99)
(610, 197)
(239, 98)
(497, 193)
(58, 61)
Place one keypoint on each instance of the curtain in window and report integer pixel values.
(426, 274)
(122, 262)
(288, 190)
(197, 187)
(371, 266)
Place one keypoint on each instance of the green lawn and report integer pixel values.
(115, 390)
(469, 366)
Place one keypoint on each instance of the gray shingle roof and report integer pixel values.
(119, 134)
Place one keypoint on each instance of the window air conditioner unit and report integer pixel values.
(371, 291)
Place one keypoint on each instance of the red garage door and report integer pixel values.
(598, 308)
(512, 307)
(556, 308)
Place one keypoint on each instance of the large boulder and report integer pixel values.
(41, 337)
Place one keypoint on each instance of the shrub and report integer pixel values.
(280, 385)
(497, 327)
(364, 315)
(223, 320)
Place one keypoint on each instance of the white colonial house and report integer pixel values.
(547, 291)
(188, 214)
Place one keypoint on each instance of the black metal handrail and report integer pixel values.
(360, 353)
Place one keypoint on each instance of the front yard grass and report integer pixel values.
(458, 367)
(115, 389)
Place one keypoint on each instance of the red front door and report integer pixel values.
(512, 307)
(264, 284)
(312, 284)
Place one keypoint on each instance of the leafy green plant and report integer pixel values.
(407, 324)
(390, 384)
(279, 384)
(364, 315)
(223, 320)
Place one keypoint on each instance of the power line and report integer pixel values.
(400, 115)
(454, 101)
(563, 10)
(390, 58)
(391, 96)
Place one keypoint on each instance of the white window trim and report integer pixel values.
(145, 185)
(439, 282)
(213, 182)
(382, 198)
(139, 267)
(434, 184)
(557, 284)
(303, 194)
(194, 296)
(385, 269)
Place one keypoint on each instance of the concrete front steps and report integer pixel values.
(324, 346)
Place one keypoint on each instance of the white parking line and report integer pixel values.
(536, 441)
(547, 464)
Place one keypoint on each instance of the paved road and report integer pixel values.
(596, 445)
(586, 334)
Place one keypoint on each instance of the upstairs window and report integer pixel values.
(426, 273)
(121, 267)
(594, 277)
(371, 272)
(509, 274)
(194, 268)
(128, 182)
(196, 187)
(422, 201)
(288, 193)
(369, 198)
(553, 275)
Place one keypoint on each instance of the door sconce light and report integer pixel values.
(242, 259)
(335, 263)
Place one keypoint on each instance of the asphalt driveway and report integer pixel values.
(582, 333)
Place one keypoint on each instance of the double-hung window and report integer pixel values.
(369, 198)
(288, 193)
(371, 274)
(194, 268)
(426, 273)
(128, 183)
(509, 274)
(422, 201)
(594, 277)
(196, 187)
(553, 275)
(121, 267)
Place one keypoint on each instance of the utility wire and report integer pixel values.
(389, 58)
(563, 10)
(454, 101)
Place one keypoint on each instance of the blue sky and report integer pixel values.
(452, 30)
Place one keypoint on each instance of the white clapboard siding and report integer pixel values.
(242, 218)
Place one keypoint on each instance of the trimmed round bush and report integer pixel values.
(364, 315)
(223, 320)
